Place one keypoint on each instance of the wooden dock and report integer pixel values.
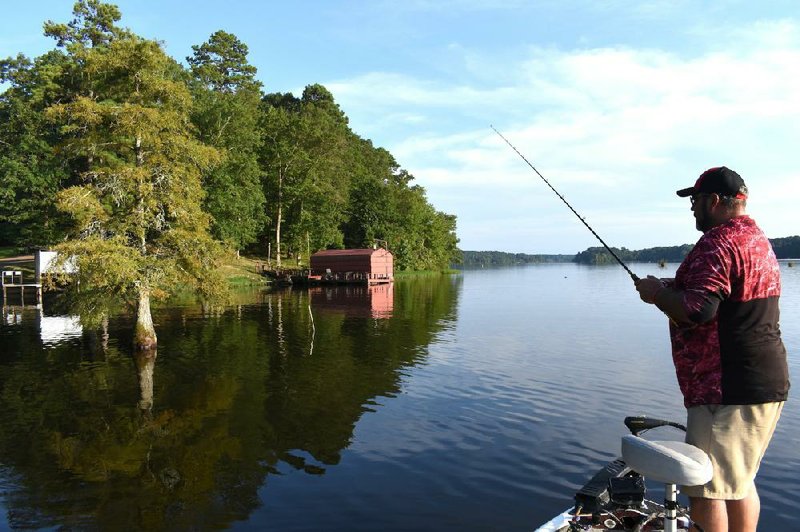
(12, 279)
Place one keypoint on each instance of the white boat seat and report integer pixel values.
(670, 462)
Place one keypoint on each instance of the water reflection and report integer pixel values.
(94, 436)
(52, 329)
(375, 301)
(55, 329)
(12, 315)
(145, 363)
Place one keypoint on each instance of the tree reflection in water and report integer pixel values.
(92, 436)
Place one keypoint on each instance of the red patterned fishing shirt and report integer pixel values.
(733, 354)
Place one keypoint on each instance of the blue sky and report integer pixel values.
(618, 104)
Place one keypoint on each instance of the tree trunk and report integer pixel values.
(278, 239)
(145, 337)
(278, 221)
(142, 225)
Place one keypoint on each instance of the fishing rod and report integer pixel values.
(583, 221)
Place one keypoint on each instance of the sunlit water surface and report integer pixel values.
(473, 402)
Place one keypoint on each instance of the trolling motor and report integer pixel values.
(639, 424)
(614, 499)
(617, 484)
(675, 463)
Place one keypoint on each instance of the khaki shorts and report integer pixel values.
(735, 437)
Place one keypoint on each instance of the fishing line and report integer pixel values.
(583, 221)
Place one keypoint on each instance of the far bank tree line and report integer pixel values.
(785, 248)
(108, 112)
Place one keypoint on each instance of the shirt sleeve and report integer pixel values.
(707, 280)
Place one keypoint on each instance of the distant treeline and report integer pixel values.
(785, 248)
(599, 255)
(490, 259)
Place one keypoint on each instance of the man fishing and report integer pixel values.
(726, 346)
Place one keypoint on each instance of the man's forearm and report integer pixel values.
(670, 302)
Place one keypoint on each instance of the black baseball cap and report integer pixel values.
(720, 180)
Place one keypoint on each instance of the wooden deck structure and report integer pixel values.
(12, 279)
(359, 266)
(13, 269)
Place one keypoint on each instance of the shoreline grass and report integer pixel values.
(241, 271)
(424, 273)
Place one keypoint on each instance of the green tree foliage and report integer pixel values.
(94, 24)
(221, 64)
(31, 173)
(385, 206)
(325, 191)
(425, 239)
(372, 209)
(307, 175)
(282, 160)
(787, 247)
(599, 255)
(226, 113)
(335, 189)
(139, 228)
(98, 127)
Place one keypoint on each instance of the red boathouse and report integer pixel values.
(368, 266)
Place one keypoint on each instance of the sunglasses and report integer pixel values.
(696, 197)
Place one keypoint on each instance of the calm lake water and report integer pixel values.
(479, 401)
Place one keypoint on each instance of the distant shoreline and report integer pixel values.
(786, 249)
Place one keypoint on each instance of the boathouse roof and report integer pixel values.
(349, 252)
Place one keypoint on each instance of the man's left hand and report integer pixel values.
(648, 288)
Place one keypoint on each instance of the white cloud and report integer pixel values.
(615, 129)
